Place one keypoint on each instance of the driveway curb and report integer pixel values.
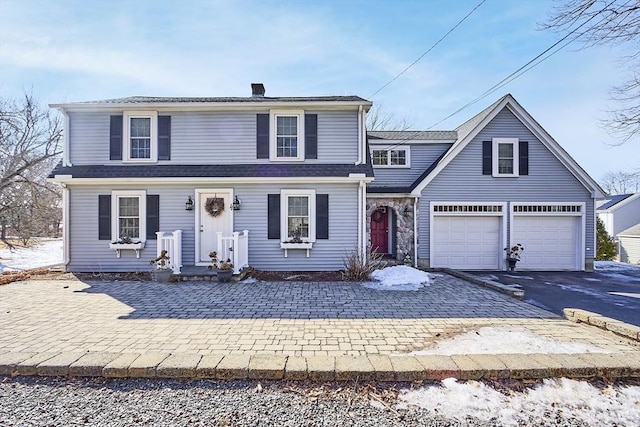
(512, 291)
(318, 368)
(607, 323)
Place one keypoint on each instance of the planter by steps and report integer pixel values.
(224, 275)
(162, 275)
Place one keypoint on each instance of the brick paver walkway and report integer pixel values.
(301, 319)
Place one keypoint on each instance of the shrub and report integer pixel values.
(605, 245)
(358, 267)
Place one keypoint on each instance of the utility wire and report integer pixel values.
(428, 50)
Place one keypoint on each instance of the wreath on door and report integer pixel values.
(377, 215)
(214, 206)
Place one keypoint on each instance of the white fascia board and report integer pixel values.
(622, 203)
(215, 106)
(390, 195)
(68, 179)
(401, 142)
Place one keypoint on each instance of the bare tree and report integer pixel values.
(380, 119)
(620, 182)
(29, 147)
(608, 22)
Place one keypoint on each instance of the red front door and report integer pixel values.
(380, 231)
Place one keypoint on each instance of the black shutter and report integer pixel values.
(262, 126)
(273, 219)
(115, 138)
(523, 150)
(164, 137)
(311, 136)
(104, 217)
(487, 160)
(153, 216)
(322, 216)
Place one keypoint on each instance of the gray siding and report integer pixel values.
(462, 180)
(87, 253)
(214, 137)
(630, 250)
(422, 156)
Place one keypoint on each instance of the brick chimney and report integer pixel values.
(257, 89)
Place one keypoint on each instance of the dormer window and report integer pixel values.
(397, 157)
(140, 136)
(287, 130)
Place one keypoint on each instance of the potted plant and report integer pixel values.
(224, 269)
(162, 274)
(513, 255)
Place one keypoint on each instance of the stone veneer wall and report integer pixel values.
(404, 223)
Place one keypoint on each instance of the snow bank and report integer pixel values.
(616, 266)
(45, 254)
(553, 399)
(492, 339)
(398, 278)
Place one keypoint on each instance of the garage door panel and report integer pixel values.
(550, 243)
(466, 242)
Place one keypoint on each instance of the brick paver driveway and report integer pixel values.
(302, 319)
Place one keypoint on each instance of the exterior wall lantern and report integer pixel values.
(189, 205)
(236, 204)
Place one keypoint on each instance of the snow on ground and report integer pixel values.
(569, 399)
(616, 266)
(398, 278)
(492, 339)
(44, 254)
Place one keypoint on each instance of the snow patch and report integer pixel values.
(44, 254)
(492, 339)
(553, 398)
(519, 277)
(398, 278)
(615, 266)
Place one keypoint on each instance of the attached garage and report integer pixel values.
(467, 236)
(551, 234)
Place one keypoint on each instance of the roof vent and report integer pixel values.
(257, 89)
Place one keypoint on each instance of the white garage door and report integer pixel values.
(466, 242)
(550, 243)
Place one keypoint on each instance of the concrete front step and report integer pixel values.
(319, 368)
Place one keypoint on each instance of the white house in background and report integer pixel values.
(621, 217)
(297, 183)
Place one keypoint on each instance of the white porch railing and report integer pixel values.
(235, 248)
(172, 243)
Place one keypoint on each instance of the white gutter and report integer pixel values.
(205, 180)
(359, 161)
(415, 232)
(362, 222)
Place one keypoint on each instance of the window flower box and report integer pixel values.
(290, 245)
(127, 246)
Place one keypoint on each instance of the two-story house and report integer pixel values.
(277, 182)
(296, 183)
(457, 199)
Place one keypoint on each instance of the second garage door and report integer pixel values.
(466, 242)
(550, 242)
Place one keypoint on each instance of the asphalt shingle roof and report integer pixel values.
(410, 135)
(214, 171)
(612, 201)
(227, 99)
(631, 231)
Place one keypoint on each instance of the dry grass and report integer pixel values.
(40, 273)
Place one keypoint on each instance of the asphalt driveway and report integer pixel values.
(613, 294)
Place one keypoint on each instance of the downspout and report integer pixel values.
(66, 160)
(66, 225)
(415, 231)
(360, 135)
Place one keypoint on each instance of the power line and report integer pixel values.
(428, 50)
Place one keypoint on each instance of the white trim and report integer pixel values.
(404, 148)
(529, 122)
(126, 138)
(142, 213)
(502, 215)
(68, 179)
(197, 199)
(273, 129)
(581, 244)
(66, 224)
(66, 160)
(284, 208)
(495, 158)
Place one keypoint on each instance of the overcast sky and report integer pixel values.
(65, 51)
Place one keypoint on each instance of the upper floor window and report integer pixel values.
(505, 157)
(287, 130)
(393, 157)
(140, 136)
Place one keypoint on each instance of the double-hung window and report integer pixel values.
(287, 130)
(505, 157)
(140, 136)
(397, 157)
(299, 213)
(128, 214)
